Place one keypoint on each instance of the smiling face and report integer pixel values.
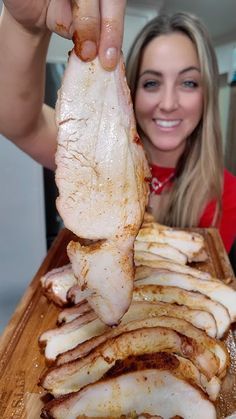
(169, 96)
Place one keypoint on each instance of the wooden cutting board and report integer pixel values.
(21, 363)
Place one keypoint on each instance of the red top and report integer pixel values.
(227, 225)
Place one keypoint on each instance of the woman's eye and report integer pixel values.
(190, 84)
(150, 84)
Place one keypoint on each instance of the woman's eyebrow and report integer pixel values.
(151, 72)
(159, 73)
(185, 70)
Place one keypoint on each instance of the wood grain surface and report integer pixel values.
(21, 363)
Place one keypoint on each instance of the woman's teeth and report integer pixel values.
(167, 124)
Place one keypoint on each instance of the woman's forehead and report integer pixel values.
(173, 50)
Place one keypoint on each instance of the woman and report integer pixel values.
(173, 76)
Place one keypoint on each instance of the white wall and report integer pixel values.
(224, 54)
(22, 225)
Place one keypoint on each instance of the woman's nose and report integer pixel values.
(169, 99)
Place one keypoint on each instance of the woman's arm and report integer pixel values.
(23, 119)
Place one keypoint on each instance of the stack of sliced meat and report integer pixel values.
(164, 359)
(148, 348)
(155, 247)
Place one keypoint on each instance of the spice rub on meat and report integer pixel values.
(102, 180)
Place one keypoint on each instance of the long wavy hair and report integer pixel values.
(199, 171)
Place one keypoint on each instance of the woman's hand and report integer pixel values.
(97, 25)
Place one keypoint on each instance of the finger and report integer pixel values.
(112, 28)
(59, 17)
(86, 25)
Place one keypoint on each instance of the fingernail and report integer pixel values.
(111, 58)
(88, 50)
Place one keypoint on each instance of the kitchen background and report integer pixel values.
(28, 222)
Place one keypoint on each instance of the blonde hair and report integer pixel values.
(199, 172)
